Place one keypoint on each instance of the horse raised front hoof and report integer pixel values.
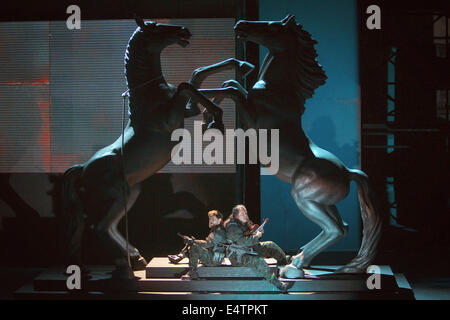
(245, 68)
(291, 272)
(217, 125)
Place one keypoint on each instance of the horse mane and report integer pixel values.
(136, 64)
(309, 74)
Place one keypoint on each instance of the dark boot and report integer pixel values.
(176, 258)
(191, 274)
(282, 286)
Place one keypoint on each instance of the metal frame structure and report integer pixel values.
(393, 124)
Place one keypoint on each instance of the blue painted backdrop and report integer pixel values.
(331, 118)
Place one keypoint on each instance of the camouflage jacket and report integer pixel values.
(238, 243)
(217, 239)
(235, 235)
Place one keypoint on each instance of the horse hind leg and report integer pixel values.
(106, 229)
(138, 262)
(332, 230)
(73, 216)
(334, 213)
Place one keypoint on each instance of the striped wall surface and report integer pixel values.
(60, 89)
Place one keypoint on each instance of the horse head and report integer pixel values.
(157, 36)
(275, 35)
(292, 48)
(141, 60)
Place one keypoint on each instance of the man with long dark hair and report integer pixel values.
(245, 249)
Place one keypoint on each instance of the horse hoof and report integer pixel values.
(245, 68)
(217, 125)
(291, 272)
(191, 110)
(138, 263)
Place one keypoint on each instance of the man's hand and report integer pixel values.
(218, 257)
(187, 240)
(259, 234)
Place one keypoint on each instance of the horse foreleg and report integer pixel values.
(243, 68)
(207, 118)
(236, 85)
(239, 96)
(200, 74)
(187, 90)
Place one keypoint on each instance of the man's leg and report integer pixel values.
(196, 252)
(269, 249)
(259, 265)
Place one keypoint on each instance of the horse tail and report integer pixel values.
(72, 214)
(371, 225)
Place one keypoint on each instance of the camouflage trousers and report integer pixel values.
(257, 263)
(269, 249)
(199, 252)
(266, 249)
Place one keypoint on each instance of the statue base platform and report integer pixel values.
(161, 280)
(162, 268)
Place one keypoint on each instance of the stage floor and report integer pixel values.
(161, 281)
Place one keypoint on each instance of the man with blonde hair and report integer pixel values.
(210, 252)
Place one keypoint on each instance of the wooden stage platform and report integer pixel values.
(161, 281)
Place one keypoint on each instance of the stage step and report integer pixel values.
(27, 292)
(216, 283)
(162, 268)
(101, 281)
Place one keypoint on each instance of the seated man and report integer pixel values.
(247, 250)
(211, 251)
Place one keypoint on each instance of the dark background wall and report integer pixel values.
(168, 203)
(404, 76)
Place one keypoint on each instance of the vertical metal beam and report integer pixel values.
(240, 54)
(248, 176)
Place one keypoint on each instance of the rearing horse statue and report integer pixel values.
(288, 76)
(97, 192)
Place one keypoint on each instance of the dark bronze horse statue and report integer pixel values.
(94, 193)
(288, 76)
